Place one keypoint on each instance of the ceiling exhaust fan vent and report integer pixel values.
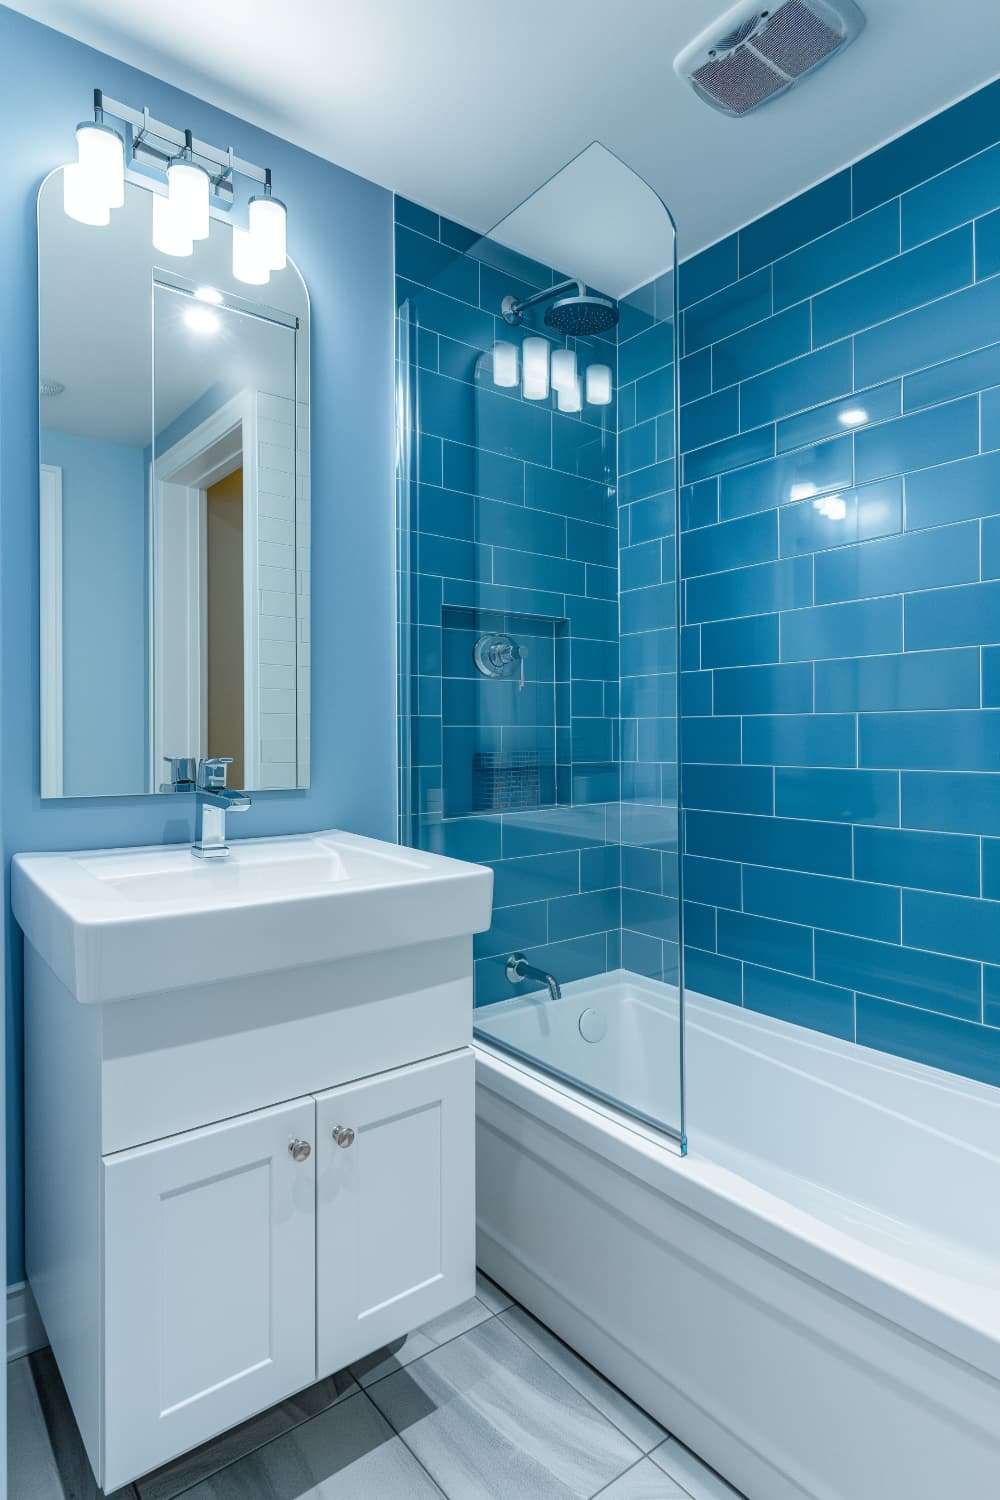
(753, 54)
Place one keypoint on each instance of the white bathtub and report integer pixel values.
(811, 1297)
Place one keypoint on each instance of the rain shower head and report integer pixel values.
(578, 315)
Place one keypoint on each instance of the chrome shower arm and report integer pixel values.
(512, 311)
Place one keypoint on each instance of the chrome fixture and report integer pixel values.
(574, 316)
(343, 1135)
(499, 655)
(298, 1149)
(215, 799)
(195, 174)
(183, 773)
(518, 970)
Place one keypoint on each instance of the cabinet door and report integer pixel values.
(395, 1230)
(209, 1282)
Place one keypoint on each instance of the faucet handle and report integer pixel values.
(183, 770)
(212, 771)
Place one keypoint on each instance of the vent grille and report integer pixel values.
(740, 34)
(739, 81)
(795, 39)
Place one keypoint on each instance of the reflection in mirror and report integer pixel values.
(174, 522)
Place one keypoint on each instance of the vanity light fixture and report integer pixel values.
(201, 180)
(598, 385)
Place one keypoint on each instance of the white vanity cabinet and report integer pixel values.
(239, 1186)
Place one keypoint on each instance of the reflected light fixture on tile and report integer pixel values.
(535, 369)
(852, 416)
(833, 507)
(803, 491)
(598, 385)
(564, 376)
(505, 362)
(201, 320)
(209, 294)
(570, 399)
(169, 236)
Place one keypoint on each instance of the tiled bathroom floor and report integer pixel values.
(482, 1404)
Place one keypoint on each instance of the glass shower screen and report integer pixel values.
(537, 529)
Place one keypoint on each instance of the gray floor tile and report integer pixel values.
(636, 1425)
(75, 1474)
(695, 1477)
(490, 1420)
(349, 1452)
(31, 1465)
(491, 1296)
(187, 1470)
(431, 1336)
(645, 1482)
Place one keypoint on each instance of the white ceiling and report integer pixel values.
(468, 105)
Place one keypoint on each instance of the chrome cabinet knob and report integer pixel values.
(299, 1150)
(343, 1135)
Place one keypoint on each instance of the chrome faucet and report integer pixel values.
(518, 970)
(214, 799)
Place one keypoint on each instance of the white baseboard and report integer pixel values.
(24, 1326)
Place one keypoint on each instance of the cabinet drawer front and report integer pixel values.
(209, 1282)
(395, 1224)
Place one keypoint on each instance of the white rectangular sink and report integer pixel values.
(127, 922)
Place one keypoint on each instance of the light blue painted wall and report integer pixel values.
(340, 233)
(104, 612)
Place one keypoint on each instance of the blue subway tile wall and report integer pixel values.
(840, 514)
(510, 526)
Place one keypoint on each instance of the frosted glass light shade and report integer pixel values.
(170, 236)
(101, 156)
(187, 189)
(504, 363)
(82, 198)
(564, 369)
(569, 400)
(535, 369)
(248, 264)
(599, 385)
(268, 221)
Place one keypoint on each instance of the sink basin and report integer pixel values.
(121, 923)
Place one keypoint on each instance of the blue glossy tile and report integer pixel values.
(779, 945)
(834, 795)
(991, 996)
(700, 504)
(954, 492)
(915, 978)
(640, 566)
(710, 974)
(750, 591)
(796, 385)
(939, 1041)
(513, 927)
(966, 127)
(636, 447)
(740, 643)
(952, 924)
(531, 570)
(737, 306)
(590, 543)
(539, 878)
(642, 869)
(517, 527)
(477, 839)
(967, 616)
(709, 270)
(699, 925)
(654, 394)
(812, 213)
(691, 648)
(746, 789)
(854, 412)
(649, 519)
(654, 694)
(565, 494)
(598, 618)
(647, 609)
(730, 453)
(932, 436)
(710, 739)
(991, 888)
(656, 916)
(734, 544)
(853, 906)
(425, 260)
(696, 374)
(894, 287)
(951, 802)
(602, 583)
(714, 881)
(445, 512)
(761, 347)
(961, 740)
(650, 350)
(415, 217)
(575, 916)
(601, 869)
(991, 677)
(480, 473)
(917, 679)
(427, 741)
(655, 479)
(864, 628)
(989, 404)
(988, 245)
(991, 547)
(800, 740)
(929, 861)
(711, 418)
(899, 564)
(872, 511)
(963, 192)
(764, 690)
(794, 476)
(803, 1002)
(843, 252)
(451, 317)
(823, 848)
(950, 326)
(955, 377)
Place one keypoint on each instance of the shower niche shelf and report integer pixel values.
(504, 710)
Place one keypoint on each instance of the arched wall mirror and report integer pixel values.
(174, 508)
